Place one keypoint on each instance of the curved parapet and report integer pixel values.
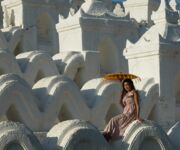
(32, 66)
(151, 99)
(62, 58)
(60, 100)
(17, 136)
(18, 103)
(78, 66)
(69, 63)
(10, 38)
(3, 42)
(57, 98)
(36, 65)
(102, 97)
(75, 135)
(74, 63)
(54, 99)
(16, 38)
(147, 135)
(8, 63)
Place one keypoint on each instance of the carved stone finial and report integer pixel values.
(118, 10)
(165, 13)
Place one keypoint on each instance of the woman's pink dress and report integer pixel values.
(117, 125)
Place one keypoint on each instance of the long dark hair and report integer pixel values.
(123, 93)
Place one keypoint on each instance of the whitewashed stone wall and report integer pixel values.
(156, 55)
(57, 98)
(37, 19)
(91, 41)
(35, 65)
(95, 28)
(80, 135)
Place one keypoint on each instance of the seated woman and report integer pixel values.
(130, 103)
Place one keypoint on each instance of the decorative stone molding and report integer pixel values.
(51, 101)
(57, 98)
(35, 65)
(17, 136)
(79, 134)
(7, 59)
(75, 134)
(10, 38)
(142, 135)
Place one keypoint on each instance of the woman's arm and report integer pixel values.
(121, 103)
(121, 100)
(136, 100)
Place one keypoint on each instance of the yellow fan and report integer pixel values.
(121, 76)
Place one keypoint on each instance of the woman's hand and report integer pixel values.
(140, 120)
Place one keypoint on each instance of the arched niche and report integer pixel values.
(44, 31)
(108, 56)
(39, 76)
(176, 95)
(77, 78)
(13, 115)
(152, 115)
(2, 71)
(18, 49)
(1, 16)
(177, 89)
(12, 18)
(64, 114)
